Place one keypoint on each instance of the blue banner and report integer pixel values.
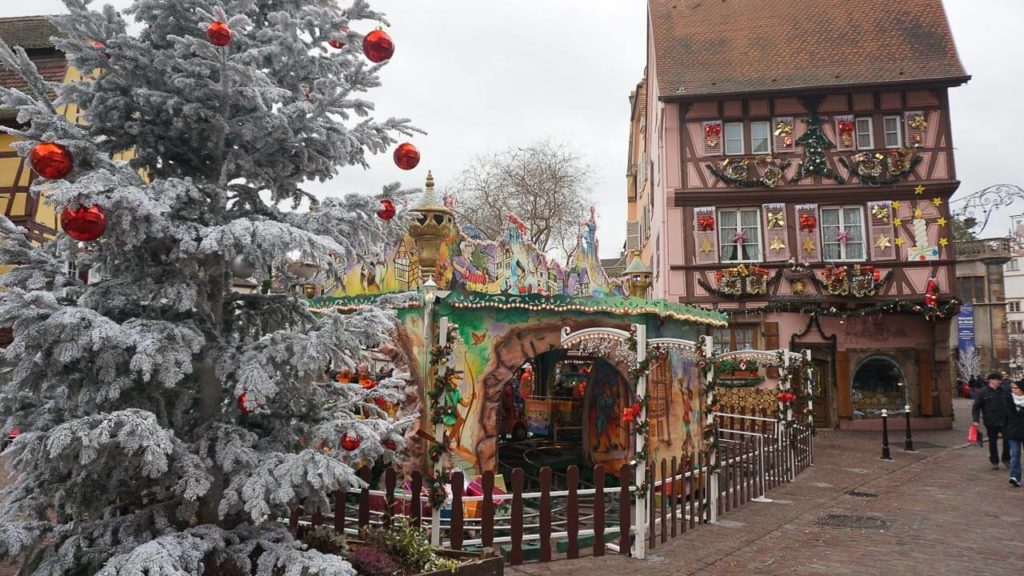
(965, 327)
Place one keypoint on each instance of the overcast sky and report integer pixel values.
(481, 76)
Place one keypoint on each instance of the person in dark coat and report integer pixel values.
(1015, 429)
(992, 404)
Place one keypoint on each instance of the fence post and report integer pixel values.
(640, 471)
(762, 491)
(598, 511)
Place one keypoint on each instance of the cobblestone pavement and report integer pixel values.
(945, 512)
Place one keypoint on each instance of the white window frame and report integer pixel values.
(767, 136)
(842, 228)
(726, 139)
(899, 130)
(870, 132)
(739, 224)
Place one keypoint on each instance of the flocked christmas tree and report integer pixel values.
(166, 420)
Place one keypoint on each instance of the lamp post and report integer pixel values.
(638, 277)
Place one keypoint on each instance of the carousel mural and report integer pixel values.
(481, 328)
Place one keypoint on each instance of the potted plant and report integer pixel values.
(733, 369)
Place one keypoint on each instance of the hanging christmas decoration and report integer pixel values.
(919, 190)
(808, 245)
(776, 220)
(51, 160)
(407, 156)
(842, 236)
(943, 242)
(777, 245)
(931, 296)
(738, 172)
(378, 46)
(242, 267)
(846, 132)
(218, 33)
(387, 210)
(712, 133)
(390, 444)
(350, 442)
(858, 280)
(882, 242)
(243, 404)
(741, 281)
(880, 212)
(102, 48)
(380, 402)
(706, 223)
(706, 247)
(918, 122)
(877, 169)
(84, 224)
(739, 237)
(941, 221)
(808, 222)
(336, 44)
(784, 130)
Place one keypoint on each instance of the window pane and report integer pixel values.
(760, 138)
(864, 137)
(892, 131)
(751, 220)
(734, 138)
(744, 338)
(979, 288)
(727, 234)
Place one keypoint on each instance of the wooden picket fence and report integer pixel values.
(566, 518)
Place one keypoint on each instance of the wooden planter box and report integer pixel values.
(739, 375)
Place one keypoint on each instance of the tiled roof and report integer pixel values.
(705, 47)
(32, 33)
(29, 32)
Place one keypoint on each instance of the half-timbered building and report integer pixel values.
(801, 164)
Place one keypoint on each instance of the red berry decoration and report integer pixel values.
(218, 33)
(407, 156)
(243, 400)
(84, 224)
(350, 442)
(387, 210)
(390, 444)
(51, 160)
(378, 46)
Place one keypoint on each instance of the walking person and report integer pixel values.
(1015, 429)
(992, 404)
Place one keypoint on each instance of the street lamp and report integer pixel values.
(430, 290)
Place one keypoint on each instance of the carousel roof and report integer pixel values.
(615, 305)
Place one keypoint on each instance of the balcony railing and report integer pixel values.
(989, 248)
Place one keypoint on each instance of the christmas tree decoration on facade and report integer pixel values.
(84, 224)
(378, 46)
(815, 162)
(51, 160)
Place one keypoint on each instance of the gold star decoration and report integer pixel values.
(777, 245)
(943, 242)
(897, 222)
(919, 190)
(937, 201)
(896, 204)
(706, 247)
(809, 245)
(941, 221)
(882, 242)
(898, 241)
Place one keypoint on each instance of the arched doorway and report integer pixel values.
(878, 383)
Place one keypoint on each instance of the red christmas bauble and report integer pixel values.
(243, 400)
(15, 431)
(387, 210)
(378, 46)
(84, 224)
(381, 402)
(336, 44)
(390, 444)
(102, 48)
(350, 442)
(51, 160)
(407, 156)
(218, 33)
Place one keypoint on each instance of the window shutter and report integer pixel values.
(713, 133)
(771, 342)
(915, 127)
(705, 235)
(632, 236)
(881, 241)
(808, 240)
(776, 232)
(784, 136)
(846, 132)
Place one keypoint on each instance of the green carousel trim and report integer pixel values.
(616, 305)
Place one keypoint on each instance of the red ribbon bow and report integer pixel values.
(630, 414)
(706, 223)
(846, 126)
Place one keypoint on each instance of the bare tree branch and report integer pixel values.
(546, 184)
